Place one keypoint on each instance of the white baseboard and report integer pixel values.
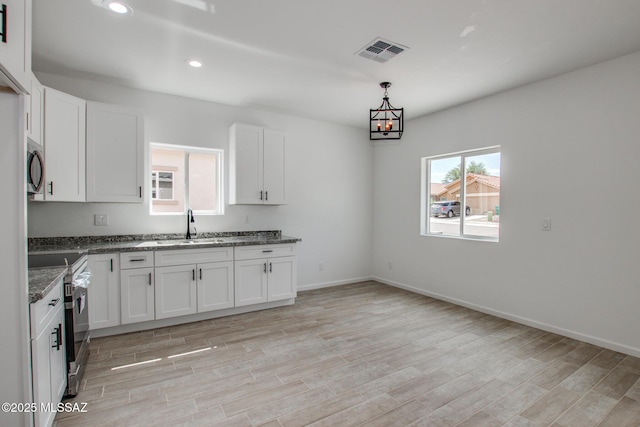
(518, 319)
(336, 283)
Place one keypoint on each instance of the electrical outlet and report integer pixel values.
(546, 224)
(101, 219)
(389, 265)
(246, 220)
(321, 266)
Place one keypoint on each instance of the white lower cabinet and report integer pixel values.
(105, 290)
(175, 291)
(264, 273)
(133, 287)
(282, 278)
(251, 282)
(215, 286)
(137, 295)
(193, 281)
(48, 355)
(137, 290)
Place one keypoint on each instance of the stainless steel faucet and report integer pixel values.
(190, 220)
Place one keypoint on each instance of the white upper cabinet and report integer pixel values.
(64, 146)
(34, 120)
(115, 150)
(15, 42)
(274, 167)
(257, 166)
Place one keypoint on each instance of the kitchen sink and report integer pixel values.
(157, 243)
(154, 244)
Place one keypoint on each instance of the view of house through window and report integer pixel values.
(186, 177)
(460, 204)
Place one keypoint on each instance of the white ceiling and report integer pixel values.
(298, 56)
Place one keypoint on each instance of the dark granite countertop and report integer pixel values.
(138, 242)
(42, 280)
(154, 242)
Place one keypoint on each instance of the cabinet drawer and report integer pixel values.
(193, 256)
(136, 260)
(42, 311)
(263, 251)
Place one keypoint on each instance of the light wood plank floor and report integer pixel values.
(361, 354)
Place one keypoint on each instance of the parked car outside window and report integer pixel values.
(448, 208)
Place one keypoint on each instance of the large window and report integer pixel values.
(186, 177)
(462, 204)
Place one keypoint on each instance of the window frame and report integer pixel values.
(186, 149)
(425, 203)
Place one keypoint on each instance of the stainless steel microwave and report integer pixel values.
(35, 168)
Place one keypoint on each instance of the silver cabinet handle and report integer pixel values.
(137, 259)
(265, 267)
(54, 302)
(149, 279)
(268, 250)
(270, 268)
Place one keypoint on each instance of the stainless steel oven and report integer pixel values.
(76, 323)
(76, 288)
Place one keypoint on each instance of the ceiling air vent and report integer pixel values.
(381, 50)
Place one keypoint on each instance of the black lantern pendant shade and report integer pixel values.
(386, 122)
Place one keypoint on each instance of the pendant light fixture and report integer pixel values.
(386, 122)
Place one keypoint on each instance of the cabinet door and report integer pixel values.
(40, 363)
(175, 291)
(114, 153)
(49, 364)
(64, 147)
(34, 123)
(105, 291)
(251, 282)
(58, 358)
(215, 286)
(15, 49)
(274, 168)
(245, 164)
(136, 295)
(282, 278)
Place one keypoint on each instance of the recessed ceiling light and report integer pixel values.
(194, 63)
(117, 7)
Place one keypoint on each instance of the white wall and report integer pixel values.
(14, 316)
(578, 134)
(329, 171)
(570, 152)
